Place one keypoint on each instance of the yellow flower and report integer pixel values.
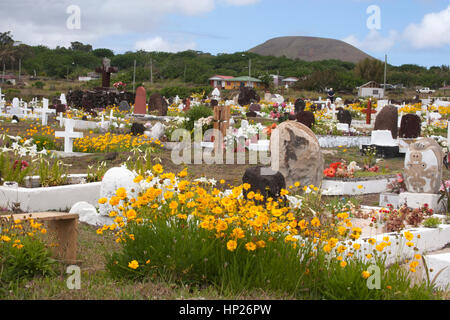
(410, 244)
(372, 241)
(237, 233)
(173, 205)
(250, 246)
(43, 231)
(231, 245)
(369, 256)
(343, 264)
(102, 200)
(121, 193)
(418, 256)
(133, 265)
(138, 179)
(131, 214)
(261, 244)
(360, 187)
(408, 235)
(356, 246)
(158, 168)
(365, 274)
(315, 222)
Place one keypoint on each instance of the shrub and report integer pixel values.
(195, 114)
(190, 232)
(22, 253)
(432, 222)
(13, 170)
(39, 85)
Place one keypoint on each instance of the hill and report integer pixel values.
(310, 49)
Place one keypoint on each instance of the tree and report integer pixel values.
(7, 49)
(78, 46)
(103, 52)
(370, 70)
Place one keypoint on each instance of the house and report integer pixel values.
(8, 77)
(289, 81)
(90, 76)
(230, 83)
(218, 81)
(371, 89)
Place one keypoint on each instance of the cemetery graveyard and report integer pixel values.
(353, 187)
(154, 171)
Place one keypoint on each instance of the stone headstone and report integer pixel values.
(140, 106)
(157, 103)
(268, 185)
(423, 166)
(387, 119)
(63, 99)
(247, 96)
(214, 103)
(124, 106)
(410, 126)
(295, 152)
(115, 178)
(137, 129)
(344, 116)
(299, 105)
(276, 98)
(254, 107)
(157, 131)
(307, 118)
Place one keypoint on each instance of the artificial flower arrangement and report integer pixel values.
(120, 85)
(341, 170)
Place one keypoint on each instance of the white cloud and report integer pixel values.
(159, 44)
(432, 32)
(374, 41)
(240, 2)
(44, 21)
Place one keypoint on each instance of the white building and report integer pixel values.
(371, 89)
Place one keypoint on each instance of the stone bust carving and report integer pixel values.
(423, 166)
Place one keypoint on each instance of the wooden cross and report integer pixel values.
(105, 70)
(368, 111)
(222, 115)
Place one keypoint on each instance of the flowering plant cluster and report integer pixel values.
(199, 233)
(120, 85)
(341, 170)
(397, 185)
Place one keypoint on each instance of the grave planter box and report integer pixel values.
(418, 200)
(59, 198)
(349, 186)
(344, 141)
(386, 152)
(389, 198)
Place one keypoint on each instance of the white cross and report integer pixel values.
(61, 119)
(69, 135)
(45, 111)
(111, 115)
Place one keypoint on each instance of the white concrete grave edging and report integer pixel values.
(49, 198)
(341, 187)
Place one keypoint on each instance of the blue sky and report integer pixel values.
(411, 31)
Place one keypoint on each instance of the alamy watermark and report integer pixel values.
(73, 282)
(73, 22)
(374, 19)
(226, 150)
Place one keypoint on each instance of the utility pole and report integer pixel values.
(385, 70)
(134, 75)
